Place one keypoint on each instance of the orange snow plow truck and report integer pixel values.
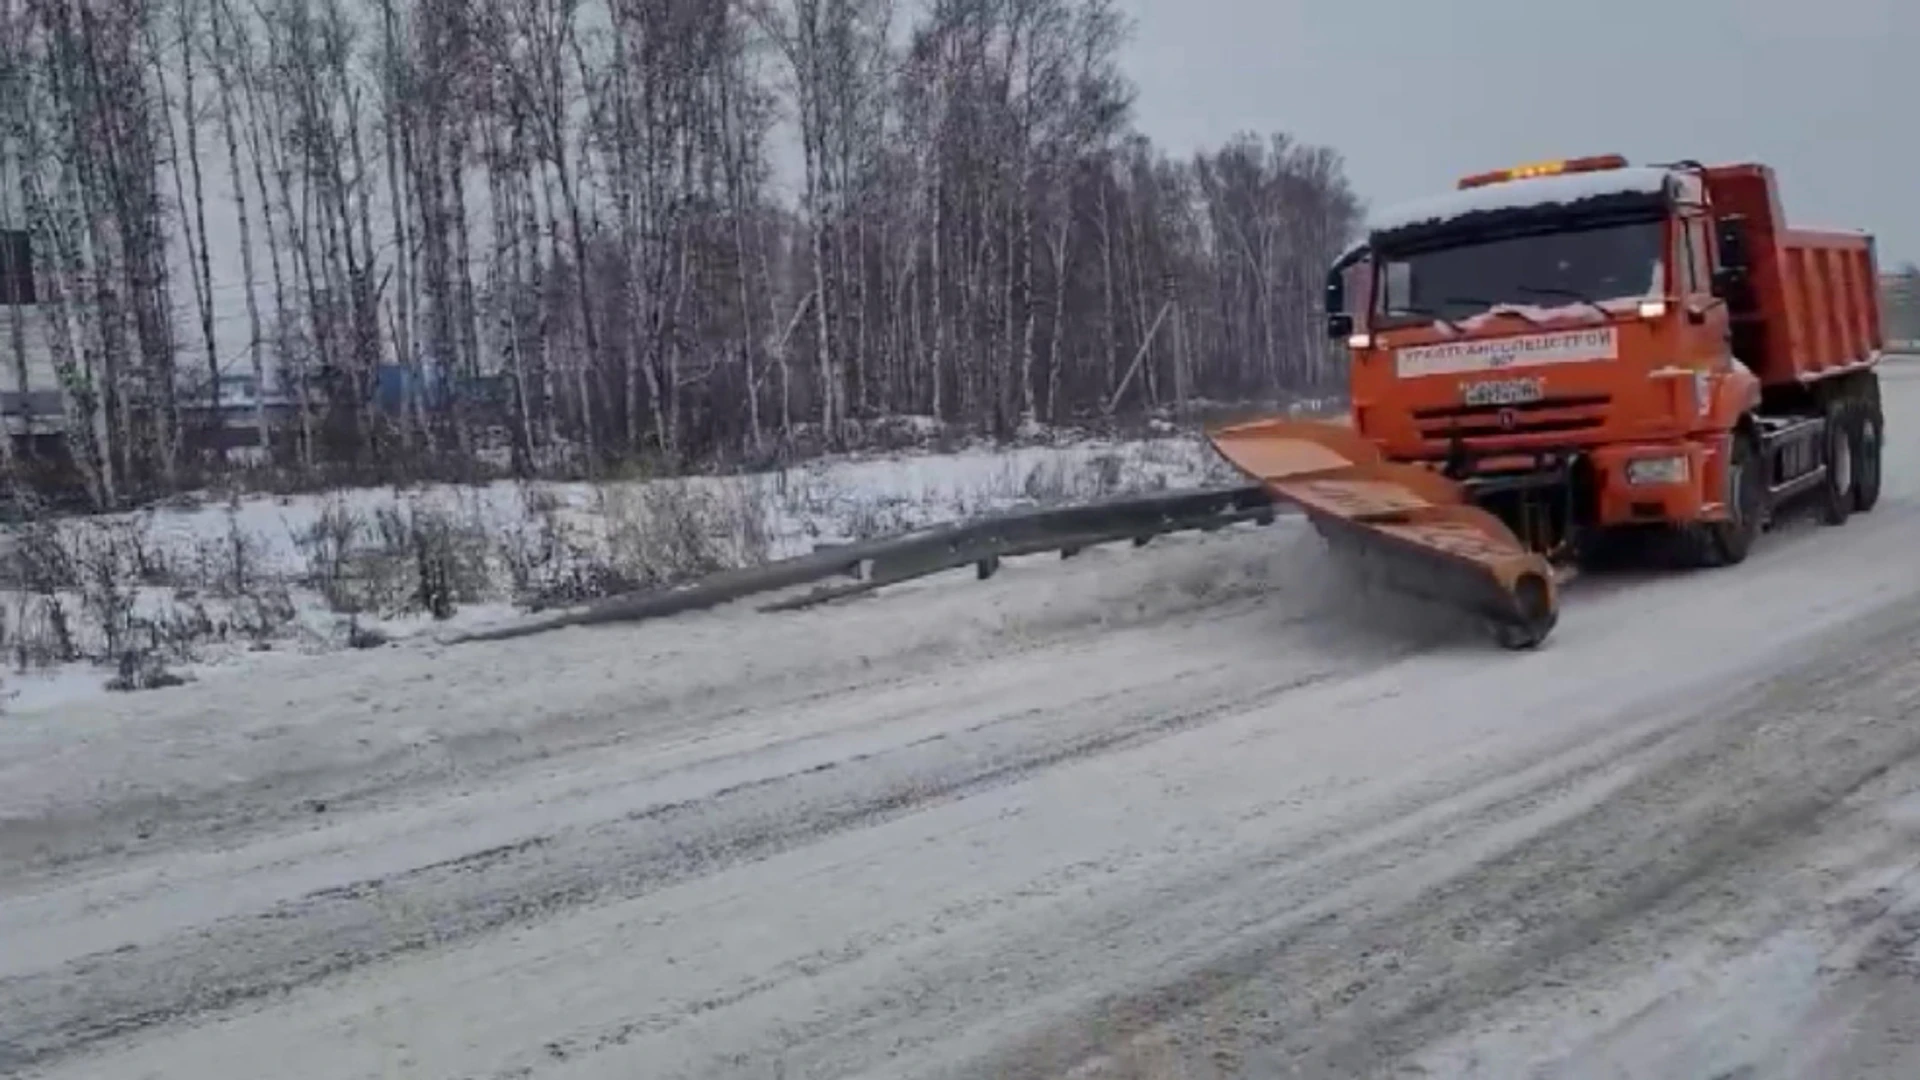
(1559, 356)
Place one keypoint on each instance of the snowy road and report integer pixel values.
(1170, 812)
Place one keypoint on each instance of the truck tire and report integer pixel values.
(1837, 490)
(1746, 504)
(1726, 543)
(1867, 433)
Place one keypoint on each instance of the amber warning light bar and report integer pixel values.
(1545, 168)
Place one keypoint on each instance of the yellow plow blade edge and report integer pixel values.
(1409, 526)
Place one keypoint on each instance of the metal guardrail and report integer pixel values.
(875, 564)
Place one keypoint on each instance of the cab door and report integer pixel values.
(1708, 333)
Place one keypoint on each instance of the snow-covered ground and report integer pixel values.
(1195, 810)
(220, 587)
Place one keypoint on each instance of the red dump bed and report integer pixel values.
(1816, 293)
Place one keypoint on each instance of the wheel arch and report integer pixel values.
(1735, 399)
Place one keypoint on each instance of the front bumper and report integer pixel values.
(1652, 482)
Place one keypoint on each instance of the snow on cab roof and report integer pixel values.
(1512, 194)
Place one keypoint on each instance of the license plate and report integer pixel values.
(1502, 391)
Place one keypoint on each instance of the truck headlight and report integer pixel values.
(1657, 470)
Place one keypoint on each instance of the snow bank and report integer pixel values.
(148, 598)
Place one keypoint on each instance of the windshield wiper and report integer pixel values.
(1570, 294)
(1430, 313)
(1491, 307)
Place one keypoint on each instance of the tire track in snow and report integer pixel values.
(1683, 848)
(343, 927)
(1309, 869)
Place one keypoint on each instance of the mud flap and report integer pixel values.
(1407, 527)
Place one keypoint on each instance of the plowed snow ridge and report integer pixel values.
(1191, 810)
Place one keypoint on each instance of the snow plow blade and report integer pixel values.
(1407, 527)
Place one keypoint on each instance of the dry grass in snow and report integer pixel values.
(145, 599)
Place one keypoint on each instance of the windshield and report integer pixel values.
(1547, 270)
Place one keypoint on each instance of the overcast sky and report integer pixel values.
(1416, 93)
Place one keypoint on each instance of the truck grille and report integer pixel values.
(1553, 415)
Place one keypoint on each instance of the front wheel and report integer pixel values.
(1837, 490)
(1866, 433)
(1726, 543)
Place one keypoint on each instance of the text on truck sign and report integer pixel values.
(1527, 350)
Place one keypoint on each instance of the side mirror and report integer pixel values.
(1730, 235)
(1339, 320)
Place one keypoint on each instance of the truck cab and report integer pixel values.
(1555, 336)
(1543, 308)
